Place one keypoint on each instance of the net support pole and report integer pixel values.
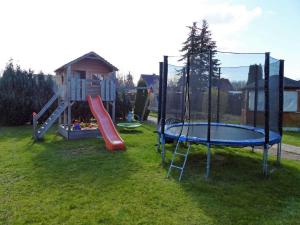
(208, 154)
(161, 64)
(267, 113)
(281, 75)
(266, 90)
(164, 103)
(183, 96)
(187, 90)
(159, 103)
(255, 95)
(209, 96)
(255, 68)
(218, 96)
(280, 118)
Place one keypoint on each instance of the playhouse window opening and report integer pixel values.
(96, 79)
(82, 74)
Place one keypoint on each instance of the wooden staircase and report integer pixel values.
(39, 132)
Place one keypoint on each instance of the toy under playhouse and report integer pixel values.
(88, 78)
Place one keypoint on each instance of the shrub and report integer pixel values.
(21, 93)
(81, 111)
(140, 101)
(123, 105)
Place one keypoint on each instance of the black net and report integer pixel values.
(274, 95)
(198, 88)
(238, 90)
(175, 102)
(237, 85)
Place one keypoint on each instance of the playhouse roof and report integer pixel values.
(90, 55)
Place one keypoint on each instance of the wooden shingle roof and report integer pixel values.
(90, 55)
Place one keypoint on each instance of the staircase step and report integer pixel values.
(51, 119)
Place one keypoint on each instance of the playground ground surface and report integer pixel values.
(79, 182)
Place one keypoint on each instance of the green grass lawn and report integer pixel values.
(292, 138)
(153, 114)
(79, 182)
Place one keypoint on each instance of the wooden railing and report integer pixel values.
(79, 89)
(36, 116)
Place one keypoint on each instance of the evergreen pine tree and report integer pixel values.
(255, 73)
(197, 46)
(129, 81)
(192, 43)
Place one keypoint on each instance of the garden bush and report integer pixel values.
(21, 93)
(140, 101)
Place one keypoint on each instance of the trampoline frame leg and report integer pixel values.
(208, 162)
(163, 141)
(278, 153)
(265, 159)
(158, 142)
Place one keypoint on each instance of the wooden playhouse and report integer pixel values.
(88, 75)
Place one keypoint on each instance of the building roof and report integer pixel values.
(150, 79)
(273, 80)
(288, 82)
(225, 85)
(90, 55)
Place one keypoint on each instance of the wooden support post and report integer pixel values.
(65, 119)
(114, 111)
(60, 116)
(68, 98)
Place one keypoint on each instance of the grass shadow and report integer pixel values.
(86, 161)
(237, 192)
(130, 131)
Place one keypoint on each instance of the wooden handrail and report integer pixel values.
(48, 104)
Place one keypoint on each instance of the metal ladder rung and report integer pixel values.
(174, 156)
(177, 167)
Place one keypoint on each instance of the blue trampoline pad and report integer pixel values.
(221, 134)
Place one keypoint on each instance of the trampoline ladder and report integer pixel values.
(176, 153)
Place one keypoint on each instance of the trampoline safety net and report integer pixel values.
(228, 88)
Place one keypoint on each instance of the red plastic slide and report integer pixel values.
(112, 139)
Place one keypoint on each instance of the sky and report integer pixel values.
(135, 34)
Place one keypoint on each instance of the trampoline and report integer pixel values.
(221, 134)
(220, 98)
